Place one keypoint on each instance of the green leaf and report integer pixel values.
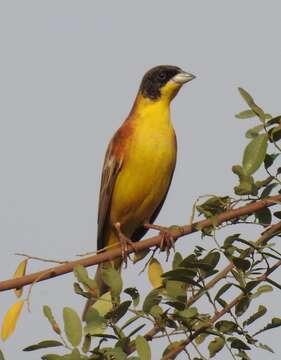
(254, 154)
(215, 346)
(143, 348)
(177, 260)
(176, 290)
(49, 315)
(111, 277)
(264, 216)
(118, 312)
(181, 274)
(1, 356)
(95, 323)
(241, 264)
(188, 313)
(226, 326)
(266, 192)
(238, 344)
(86, 344)
(153, 298)
(254, 131)
(261, 311)
(171, 347)
(81, 275)
(246, 114)
(43, 345)
(262, 290)
(275, 322)
(269, 159)
(133, 292)
(222, 290)
(72, 326)
(53, 357)
(252, 105)
(242, 306)
(265, 347)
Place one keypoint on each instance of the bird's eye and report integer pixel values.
(162, 75)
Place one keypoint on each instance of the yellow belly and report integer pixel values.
(145, 176)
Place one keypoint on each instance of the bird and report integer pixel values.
(139, 165)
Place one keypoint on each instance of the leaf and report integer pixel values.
(275, 322)
(86, 344)
(118, 312)
(43, 345)
(20, 271)
(111, 277)
(269, 159)
(264, 216)
(226, 326)
(177, 260)
(238, 344)
(72, 326)
(246, 114)
(133, 292)
(254, 154)
(176, 290)
(241, 264)
(222, 290)
(55, 357)
(140, 254)
(215, 346)
(49, 315)
(254, 131)
(10, 319)
(155, 272)
(172, 346)
(81, 275)
(262, 290)
(242, 306)
(1, 356)
(143, 348)
(266, 192)
(104, 304)
(153, 298)
(265, 347)
(253, 106)
(261, 311)
(95, 323)
(188, 313)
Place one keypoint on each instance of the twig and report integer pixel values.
(141, 245)
(174, 352)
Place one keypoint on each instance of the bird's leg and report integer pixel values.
(167, 238)
(124, 243)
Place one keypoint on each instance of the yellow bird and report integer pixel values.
(139, 163)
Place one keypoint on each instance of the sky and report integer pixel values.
(69, 72)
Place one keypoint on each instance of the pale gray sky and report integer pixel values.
(69, 72)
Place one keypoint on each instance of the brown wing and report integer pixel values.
(111, 168)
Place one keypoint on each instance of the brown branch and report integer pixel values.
(262, 240)
(174, 352)
(141, 245)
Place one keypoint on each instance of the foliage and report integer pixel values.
(207, 296)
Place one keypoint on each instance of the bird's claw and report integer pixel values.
(167, 239)
(125, 242)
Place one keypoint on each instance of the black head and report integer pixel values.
(157, 77)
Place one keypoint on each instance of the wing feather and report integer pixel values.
(111, 168)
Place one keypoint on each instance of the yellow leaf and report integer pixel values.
(10, 319)
(154, 273)
(20, 271)
(104, 304)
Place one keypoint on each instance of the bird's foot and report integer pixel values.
(125, 242)
(167, 239)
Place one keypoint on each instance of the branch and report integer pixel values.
(174, 352)
(265, 237)
(141, 245)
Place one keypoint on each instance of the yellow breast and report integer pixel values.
(146, 172)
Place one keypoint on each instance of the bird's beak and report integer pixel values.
(183, 77)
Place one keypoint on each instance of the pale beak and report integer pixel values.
(183, 77)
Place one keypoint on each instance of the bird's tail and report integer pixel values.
(103, 288)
